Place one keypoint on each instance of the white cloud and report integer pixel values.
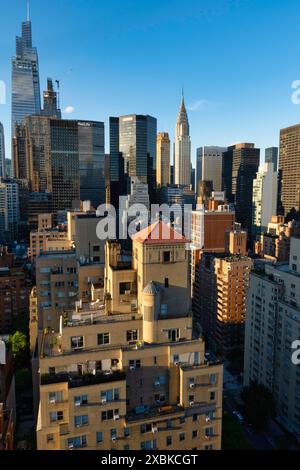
(69, 110)
(197, 105)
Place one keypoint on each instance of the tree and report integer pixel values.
(19, 346)
(259, 405)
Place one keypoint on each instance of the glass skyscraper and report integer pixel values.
(2, 152)
(91, 162)
(26, 99)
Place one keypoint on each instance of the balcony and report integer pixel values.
(145, 412)
(75, 380)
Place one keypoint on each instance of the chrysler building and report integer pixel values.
(182, 149)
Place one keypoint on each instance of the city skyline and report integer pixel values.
(265, 92)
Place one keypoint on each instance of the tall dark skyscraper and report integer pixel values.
(64, 157)
(91, 162)
(50, 97)
(2, 152)
(61, 156)
(289, 172)
(241, 161)
(26, 99)
(117, 177)
(134, 136)
(271, 156)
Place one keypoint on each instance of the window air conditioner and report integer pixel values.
(154, 429)
(77, 403)
(71, 446)
(116, 417)
(114, 438)
(192, 385)
(52, 401)
(104, 400)
(207, 419)
(192, 403)
(132, 367)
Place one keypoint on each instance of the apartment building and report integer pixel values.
(272, 324)
(14, 291)
(7, 396)
(220, 288)
(128, 374)
(275, 242)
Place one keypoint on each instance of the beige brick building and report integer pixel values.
(128, 374)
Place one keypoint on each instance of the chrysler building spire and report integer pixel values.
(182, 156)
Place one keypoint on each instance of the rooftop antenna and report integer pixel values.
(28, 10)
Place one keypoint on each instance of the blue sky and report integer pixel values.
(236, 60)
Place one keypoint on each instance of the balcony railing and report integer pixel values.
(75, 380)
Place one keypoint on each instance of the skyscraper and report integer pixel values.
(137, 142)
(264, 197)
(182, 148)
(2, 152)
(26, 99)
(163, 177)
(289, 169)
(9, 210)
(211, 161)
(271, 156)
(240, 165)
(51, 105)
(91, 162)
(133, 150)
(198, 167)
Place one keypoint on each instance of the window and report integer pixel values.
(55, 397)
(212, 396)
(145, 428)
(96, 248)
(194, 434)
(110, 395)
(155, 360)
(132, 335)
(136, 363)
(167, 256)
(81, 421)
(164, 310)
(182, 420)
(169, 423)
(126, 432)
(103, 338)
(169, 440)
(294, 267)
(99, 437)
(149, 445)
(126, 447)
(124, 287)
(209, 432)
(77, 442)
(109, 414)
(76, 342)
(195, 417)
(50, 437)
(176, 358)
(159, 398)
(80, 400)
(213, 379)
(181, 436)
(173, 335)
(209, 447)
(56, 416)
(166, 282)
(113, 433)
